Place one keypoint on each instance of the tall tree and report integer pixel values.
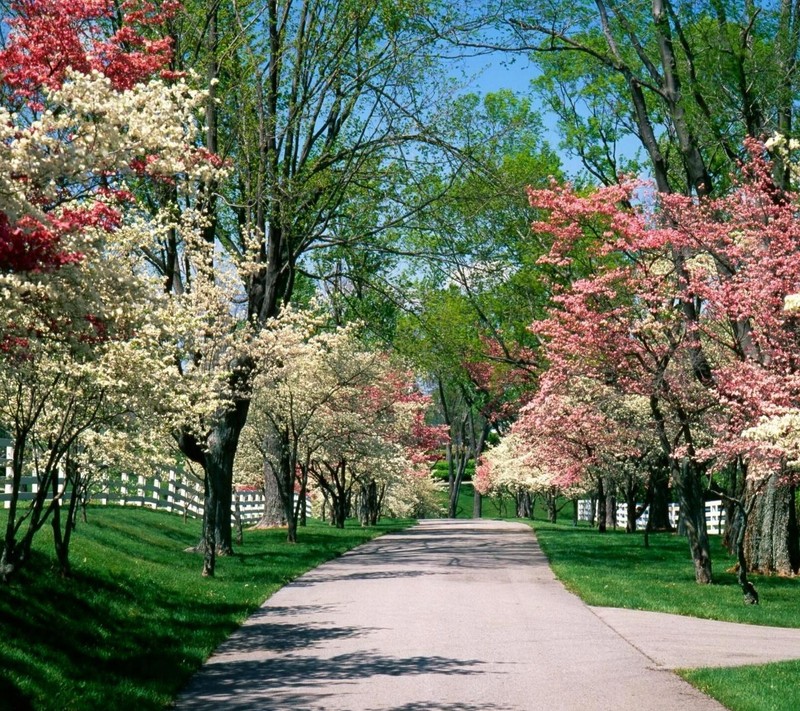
(477, 283)
(316, 108)
(688, 81)
(79, 126)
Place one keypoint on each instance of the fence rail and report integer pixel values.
(715, 515)
(168, 491)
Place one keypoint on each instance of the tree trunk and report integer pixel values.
(611, 511)
(787, 41)
(693, 162)
(237, 516)
(209, 542)
(368, 504)
(523, 504)
(693, 515)
(60, 545)
(216, 457)
(748, 589)
(291, 529)
(771, 540)
(630, 505)
(273, 515)
(62, 538)
(287, 476)
(455, 477)
(303, 520)
(659, 506)
(8, 558)
(286, 473)
(477, 505)
(552, 509)
(220, 452)
(601, 506)
(734, 496)
(339, 511)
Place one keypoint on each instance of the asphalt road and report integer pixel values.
(462, 616)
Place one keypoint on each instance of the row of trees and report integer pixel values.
(670, 345)
(152, 234)
(631, 379)
(333, 418)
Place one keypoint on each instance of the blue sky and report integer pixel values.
(486, 73)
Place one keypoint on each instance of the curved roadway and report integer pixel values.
(462, 616)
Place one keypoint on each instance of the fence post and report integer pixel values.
(8, 469)
(156, 492)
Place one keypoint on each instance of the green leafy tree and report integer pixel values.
(317, 109)
(477, 282)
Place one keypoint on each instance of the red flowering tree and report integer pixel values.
(47, 42)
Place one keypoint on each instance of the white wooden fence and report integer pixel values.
(168, 491)
(715, 515)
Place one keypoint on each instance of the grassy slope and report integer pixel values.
(616, 570)
(137, 620)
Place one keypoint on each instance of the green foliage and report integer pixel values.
(731, 87)
(477, 273)
(136, 620)
(441, 470)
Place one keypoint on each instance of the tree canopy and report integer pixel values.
(279, 241)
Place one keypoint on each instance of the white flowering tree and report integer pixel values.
(89, 351)
(334, 417)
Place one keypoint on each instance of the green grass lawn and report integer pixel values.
(616, 570)
(136, 620)
(766, 687)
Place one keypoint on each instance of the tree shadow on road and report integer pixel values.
(438, 706)
(319, 577)
(272, 684)
(284, 637)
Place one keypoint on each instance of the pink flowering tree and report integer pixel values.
(685, 311)
(400, 483)
(592, 438)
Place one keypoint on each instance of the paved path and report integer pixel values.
(457, 616)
